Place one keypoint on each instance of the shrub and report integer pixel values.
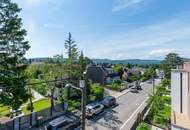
(97, 91)
(132, 78)
(143, 79)
(143, 126)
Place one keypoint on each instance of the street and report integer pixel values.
(123, 115)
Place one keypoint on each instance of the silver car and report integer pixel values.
(94, 109)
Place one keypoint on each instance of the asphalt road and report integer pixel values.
(121, 117)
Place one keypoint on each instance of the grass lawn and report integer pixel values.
(4, 110)
(38, 105)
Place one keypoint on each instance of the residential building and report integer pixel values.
(180, 87)
(101, 75)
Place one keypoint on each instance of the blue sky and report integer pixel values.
(114, 29)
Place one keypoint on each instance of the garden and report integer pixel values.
(160, 107)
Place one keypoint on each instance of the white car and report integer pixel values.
(94, 109)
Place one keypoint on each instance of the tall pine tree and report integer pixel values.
(13, 47)
(72, 52)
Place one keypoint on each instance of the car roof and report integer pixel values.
(92, 105)
(61, 120)
(108, 97)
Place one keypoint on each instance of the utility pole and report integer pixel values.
(83, 87)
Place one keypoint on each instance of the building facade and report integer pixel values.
(180, 86)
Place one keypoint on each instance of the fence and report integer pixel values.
(33, 119)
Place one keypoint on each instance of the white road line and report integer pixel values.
(135, 112)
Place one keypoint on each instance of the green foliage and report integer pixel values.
(170, 62)
(143, 126)
(72, 53)
(33, 71)
(143, 78)
(132, 78)
(13, 48)
(115, 86)
(74, 104)
(129, 66)
(97, 91)
(119, 70)
(160, 108)
(41, 88)
(166, 82)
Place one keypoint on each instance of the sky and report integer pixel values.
(114, 29)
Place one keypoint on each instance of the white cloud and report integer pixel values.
(124, 4)
(159, 53)
(147, 42)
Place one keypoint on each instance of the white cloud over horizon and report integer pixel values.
(152, 41)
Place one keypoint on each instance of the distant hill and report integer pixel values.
(131, 61)
(99, 61)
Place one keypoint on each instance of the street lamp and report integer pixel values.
(82, 88)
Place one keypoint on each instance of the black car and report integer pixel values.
(65, 122)
(109, 101)
(134, 89)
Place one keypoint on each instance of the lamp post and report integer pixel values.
(82, 88)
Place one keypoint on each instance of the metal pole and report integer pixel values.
(83, 86)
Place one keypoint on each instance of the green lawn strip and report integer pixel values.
(38, 105)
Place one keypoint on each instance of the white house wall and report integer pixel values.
(175, 87)
(185, 93)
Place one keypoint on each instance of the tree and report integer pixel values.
(13, 47)
(82, 64)
(119, 70)
(72, 52)
(170, 62)
(58, 58)
(129, 66)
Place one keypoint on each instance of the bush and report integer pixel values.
(143, 79)
(132, 78)
(115, 87)
(118, 82)
(166, 82)
(97, 91)
(143, 126)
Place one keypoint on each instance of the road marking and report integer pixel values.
(133, 113)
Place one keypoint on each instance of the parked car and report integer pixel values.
(65, 122)
(94, 109)
(108, 101)
(134, 89)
